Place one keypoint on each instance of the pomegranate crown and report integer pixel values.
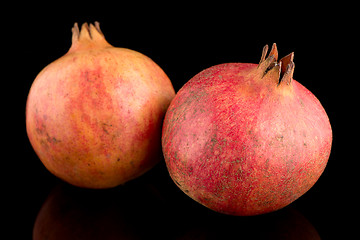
(282, 70)
(90, 36)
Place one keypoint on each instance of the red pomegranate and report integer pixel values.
(94, 116)
(246, 139)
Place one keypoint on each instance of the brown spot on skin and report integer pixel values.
(279, 137)
(105, 126)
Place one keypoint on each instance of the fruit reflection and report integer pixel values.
(153, 208)
(120, 213)
(287, 224)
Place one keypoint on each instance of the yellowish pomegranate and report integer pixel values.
(94, 116)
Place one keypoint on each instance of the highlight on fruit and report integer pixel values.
(94, 116)
(246, 139)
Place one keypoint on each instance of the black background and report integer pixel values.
(184, 38)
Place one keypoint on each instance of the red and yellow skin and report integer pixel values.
(94, 116)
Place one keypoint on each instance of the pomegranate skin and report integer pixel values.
(94, 116)
(241, 142)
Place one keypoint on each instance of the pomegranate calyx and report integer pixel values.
(90, 36)
(282, 70)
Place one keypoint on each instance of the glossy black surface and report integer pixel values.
(183, 40)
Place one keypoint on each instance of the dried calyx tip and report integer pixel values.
(288, 73)
(75, 30)
(263, 54)
(97, 26)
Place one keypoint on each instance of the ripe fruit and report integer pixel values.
(94, 116)
(246, 139)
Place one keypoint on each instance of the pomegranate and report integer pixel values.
(94, 116)
(246, 139)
